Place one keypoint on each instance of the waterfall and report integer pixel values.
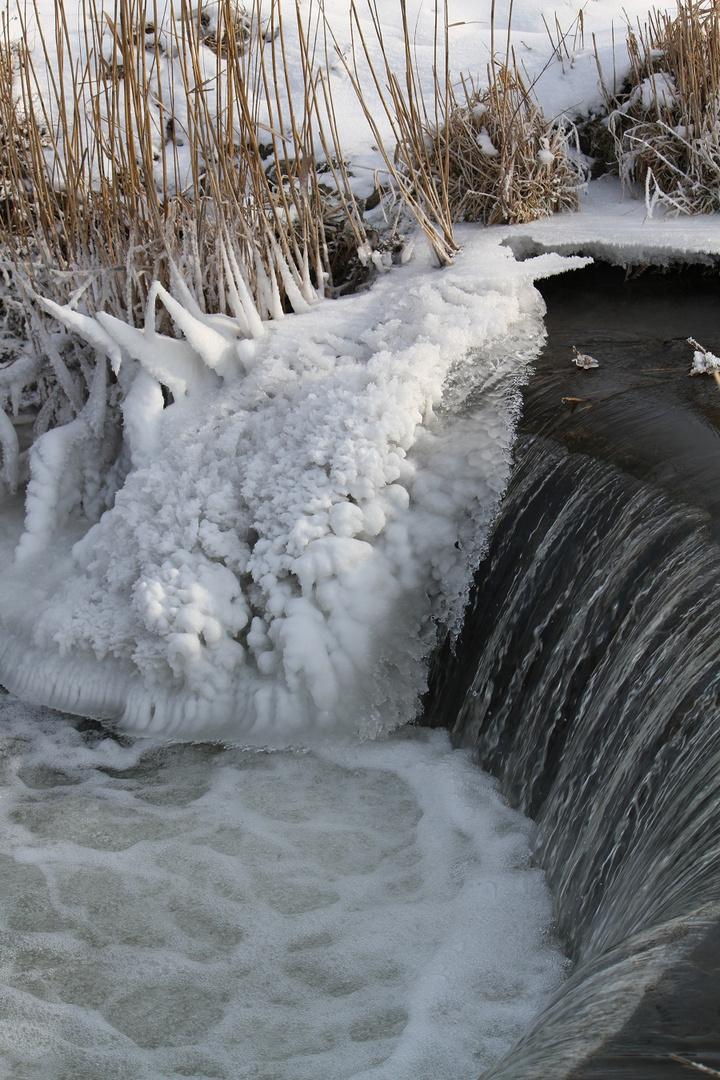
(587, 679)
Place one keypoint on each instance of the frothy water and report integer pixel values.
(205, 911)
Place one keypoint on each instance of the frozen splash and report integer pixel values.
(292, 530)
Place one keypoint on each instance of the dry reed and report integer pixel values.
(474, 155)
(507, 164)
(168, 150)
(418, 174)
(151, 156)
(666, 122)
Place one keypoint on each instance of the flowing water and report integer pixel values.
(588, 676)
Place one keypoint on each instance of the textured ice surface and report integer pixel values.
(199, 911)
(294, 527)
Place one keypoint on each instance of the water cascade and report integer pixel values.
(587, 677)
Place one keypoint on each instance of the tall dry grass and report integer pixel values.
(666, 121)
(483, 154)
(167, 145)
(171, 147)
(419, 178)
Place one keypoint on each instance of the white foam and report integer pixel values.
(165, 911)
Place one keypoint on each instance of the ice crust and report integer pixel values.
(293, 529)
(367, 911)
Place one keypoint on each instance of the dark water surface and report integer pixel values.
(587, 677)
(640, 410)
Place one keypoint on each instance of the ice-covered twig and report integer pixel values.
(583, 360)
(704, 362)
(698, 1066)
(85, 327)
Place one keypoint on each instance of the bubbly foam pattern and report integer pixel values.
(291, 533)
(200, 911)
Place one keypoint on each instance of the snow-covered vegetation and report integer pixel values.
(665, 118)
(236, 522)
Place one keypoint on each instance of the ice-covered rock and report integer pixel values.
(294, 527)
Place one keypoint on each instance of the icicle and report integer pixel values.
(214, 349)
(181, 289)
(268, 290)
(234, 296)
(53, 490)
(235, 299)
(142, 412)
(173, 363)
(10, 452)
(96, 405)
(255, 323)
(85, 327)
(309, 292)
(292, 291)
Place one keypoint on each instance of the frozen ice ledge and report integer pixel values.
(275, 552)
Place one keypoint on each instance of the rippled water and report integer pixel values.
(205, 911)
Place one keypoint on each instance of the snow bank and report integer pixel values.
(614, 227)
(294, 527)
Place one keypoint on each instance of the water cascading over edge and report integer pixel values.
(587, 678)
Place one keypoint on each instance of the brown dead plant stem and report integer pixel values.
(417, 172)
(164, 145)
(166, 148)
(666, 123)
(472, 154)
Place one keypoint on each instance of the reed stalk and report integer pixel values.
(666, 120)
(163, 149)
(138, 156)
(479, 154)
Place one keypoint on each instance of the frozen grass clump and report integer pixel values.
(506, 162)
(666, 121)
(485, 155)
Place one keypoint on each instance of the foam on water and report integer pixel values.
(204, 911)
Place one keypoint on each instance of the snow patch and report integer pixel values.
(487, 146)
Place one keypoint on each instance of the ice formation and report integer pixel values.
(293, 528)
(703, 362)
